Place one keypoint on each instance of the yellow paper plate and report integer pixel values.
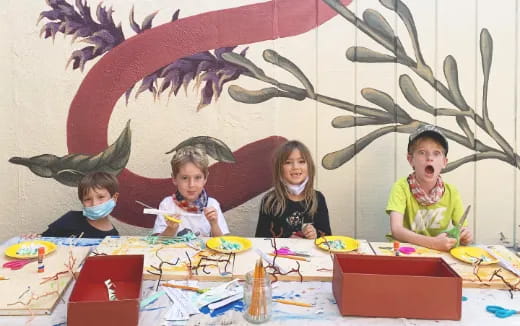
(12, 250)
(348, 244)
(471, 254)
(228, 244)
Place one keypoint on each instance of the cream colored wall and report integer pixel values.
(36, 91)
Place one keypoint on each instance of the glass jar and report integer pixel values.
(257, 298)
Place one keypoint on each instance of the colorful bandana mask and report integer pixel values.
(422, 197)
(196, 207)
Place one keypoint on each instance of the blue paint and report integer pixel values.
(60, 324)
(235, 305)
(280, 315)
(464, 298)
(76, 242)
(288, 295)
(151, 299)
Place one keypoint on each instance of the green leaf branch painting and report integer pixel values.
(69, 169)
(214, 147)
(391, 116)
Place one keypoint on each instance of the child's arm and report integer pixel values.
(399, 232)
(321, 219)
(264, 223)
(212, 217)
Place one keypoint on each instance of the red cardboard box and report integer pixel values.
(398, 287)
(89, 304)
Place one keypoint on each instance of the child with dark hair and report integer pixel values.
(98, 192)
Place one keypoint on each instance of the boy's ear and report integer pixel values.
(116, 195)
(409, 158)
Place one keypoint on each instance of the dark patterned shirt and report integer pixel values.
(74, 223)
(292, 219)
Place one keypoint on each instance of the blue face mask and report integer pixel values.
(99, 211)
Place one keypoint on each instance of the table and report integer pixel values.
(324, 311)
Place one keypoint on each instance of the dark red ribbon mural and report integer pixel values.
(126, 64)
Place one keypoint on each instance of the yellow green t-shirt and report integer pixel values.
(426, 220)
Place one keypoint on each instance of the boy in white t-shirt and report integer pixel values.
(190, 204)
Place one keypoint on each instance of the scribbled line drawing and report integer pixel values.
(389, 112)
(103, 35)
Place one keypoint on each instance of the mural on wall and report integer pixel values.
(377, 27)
(161, 54)
(163, 60)
(389, 112)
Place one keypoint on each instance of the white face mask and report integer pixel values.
(296, 189)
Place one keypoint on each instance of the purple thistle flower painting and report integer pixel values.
(205, 68)
(208, 70)
(78, 22)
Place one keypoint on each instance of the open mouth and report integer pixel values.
(429, 169)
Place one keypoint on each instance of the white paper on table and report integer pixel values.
(501, 260)
(182, 308)
(222, 303)
(270, 260)
(220, 292)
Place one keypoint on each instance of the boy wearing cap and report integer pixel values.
(421, 206)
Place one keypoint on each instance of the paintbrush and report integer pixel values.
(184, 287)
(290, 257)
(294, 303)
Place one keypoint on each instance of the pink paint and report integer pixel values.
(407, 250)
(146, 52)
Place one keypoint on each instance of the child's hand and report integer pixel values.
(172, 224)
(211, 215)
(309, 231)
(466, 236)
(296, 235)
(443, 243)
(30, 236)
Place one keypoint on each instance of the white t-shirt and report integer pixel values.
(197, 223)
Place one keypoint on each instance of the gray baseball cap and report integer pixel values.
(429, 131)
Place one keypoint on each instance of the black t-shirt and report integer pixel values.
(74, 223)
(292, 219)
